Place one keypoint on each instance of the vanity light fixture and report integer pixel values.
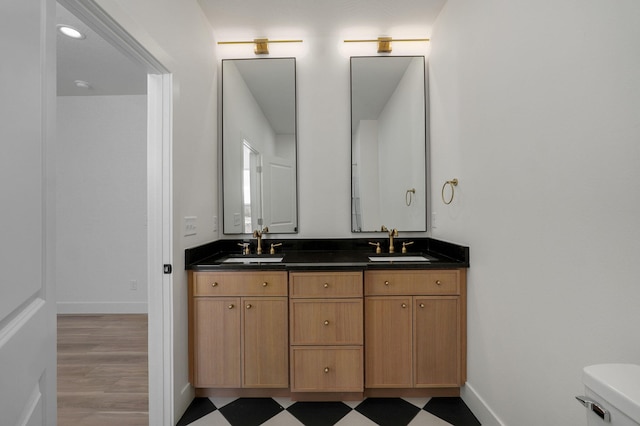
(384, 43)
(71, 32)
(261, 44)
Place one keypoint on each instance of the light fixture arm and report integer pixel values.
(384, 43)
(261, 44)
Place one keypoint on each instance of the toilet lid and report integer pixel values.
(618, 384)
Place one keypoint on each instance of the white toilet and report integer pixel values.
(612, 394)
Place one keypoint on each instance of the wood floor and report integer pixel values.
(102, 370)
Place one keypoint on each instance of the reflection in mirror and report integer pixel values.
(259, 145)
(388, 143)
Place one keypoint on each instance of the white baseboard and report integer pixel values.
(102, 307)
(479, 407)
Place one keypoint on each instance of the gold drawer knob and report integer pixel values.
(422, 305)
(438, 282)
(248, 305)
(326, 322)
(214, 284)
(264, 284)
(404, 305)
(326, 369)
(326, 285)
(231, 306)
(386, 283)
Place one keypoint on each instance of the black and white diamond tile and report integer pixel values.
(371, 411)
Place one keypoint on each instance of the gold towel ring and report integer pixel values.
(408, 197)
(451, 183)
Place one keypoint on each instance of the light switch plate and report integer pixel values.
(190, 225)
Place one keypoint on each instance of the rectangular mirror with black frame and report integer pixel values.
(259, 145)
(388, 143)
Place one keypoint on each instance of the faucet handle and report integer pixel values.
(378, 250)
(404, 246)
(273, 246)
(245, 248)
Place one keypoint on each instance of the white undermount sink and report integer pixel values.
(253, 259)
(398, 259)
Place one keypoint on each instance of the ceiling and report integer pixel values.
(95, 61)
(109, 72)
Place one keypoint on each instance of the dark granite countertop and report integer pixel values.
(324, 254)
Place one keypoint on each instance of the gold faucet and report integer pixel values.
(258, 234)
(392, 233)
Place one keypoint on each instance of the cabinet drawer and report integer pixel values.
(240, 283)
(327, 369)
(418, 282)
(326, 322)
(326, 284)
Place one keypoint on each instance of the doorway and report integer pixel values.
(156, 200)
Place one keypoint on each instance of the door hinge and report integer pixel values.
(168, 268)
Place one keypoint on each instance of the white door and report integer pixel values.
(279, 187)
(27, 303)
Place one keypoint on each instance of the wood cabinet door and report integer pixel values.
(217, 342)
(265, 342)
(437, 341)
(388, 342)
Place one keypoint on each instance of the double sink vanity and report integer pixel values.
(327, 319)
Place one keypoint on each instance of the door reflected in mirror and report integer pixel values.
(388, 143)
(259, 145)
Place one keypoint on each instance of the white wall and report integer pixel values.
(101, 204)
(179, 36)
(534, 107)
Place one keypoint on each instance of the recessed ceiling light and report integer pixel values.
(82, 84)
(70, 32)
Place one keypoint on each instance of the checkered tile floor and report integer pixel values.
(371, 411)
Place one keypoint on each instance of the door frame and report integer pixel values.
(159, 205)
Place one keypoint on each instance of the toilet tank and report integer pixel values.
(612, 394)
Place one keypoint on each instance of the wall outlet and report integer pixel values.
(190, 225)
(433, 220)
(133, 285)
(215, 224)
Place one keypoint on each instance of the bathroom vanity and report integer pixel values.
(327, 319)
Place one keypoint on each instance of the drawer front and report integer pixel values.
(418, 282)
(258, 283)
(327, 369)
(326, 284)
(326, 322)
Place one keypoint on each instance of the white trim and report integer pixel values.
(159, 206)
(479, 407)
(102, 308)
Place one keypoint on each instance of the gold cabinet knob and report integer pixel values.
(438, 282)
(326, 322)
(326, 369)
(326, 285)
(386, 283)
(422, 305)
(214, 284)
(248, 305)
(404, 305)
(231, 306)
(264, 284)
